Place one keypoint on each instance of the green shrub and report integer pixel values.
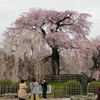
(90, 79)
(28, 84)
(72, 83)
(15, 84)
(93, 86)
(73, 87)
(5, 82)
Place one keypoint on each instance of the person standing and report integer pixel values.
(22, 90)
(97, 97)
(34, 86)
(44, 88)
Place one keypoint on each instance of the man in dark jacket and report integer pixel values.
(44, 88)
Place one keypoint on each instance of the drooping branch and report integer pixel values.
(96, 61)
(43, 32)
(59, 21)
(66, 24)
(32, 27)
(66, 17)
(46, 58)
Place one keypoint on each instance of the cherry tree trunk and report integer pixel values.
(55, 61)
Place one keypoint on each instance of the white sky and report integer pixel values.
(10, 10)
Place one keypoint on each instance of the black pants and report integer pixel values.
(34, 97)
(44, 93)
(21, 99)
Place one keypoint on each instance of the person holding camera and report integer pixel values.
(44, 88)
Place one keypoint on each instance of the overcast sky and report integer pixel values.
(10, 10)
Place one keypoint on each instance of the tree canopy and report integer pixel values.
(51, 35)
(65, 29)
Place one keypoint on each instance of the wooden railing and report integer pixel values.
(63, 77)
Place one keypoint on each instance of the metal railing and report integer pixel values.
(52, 91)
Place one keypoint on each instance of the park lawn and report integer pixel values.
(56, 84)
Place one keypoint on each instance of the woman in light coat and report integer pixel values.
(22, 90)
(34, 93)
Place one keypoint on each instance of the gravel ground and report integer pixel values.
(40, 99)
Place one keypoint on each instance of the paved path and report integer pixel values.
(40, 99)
